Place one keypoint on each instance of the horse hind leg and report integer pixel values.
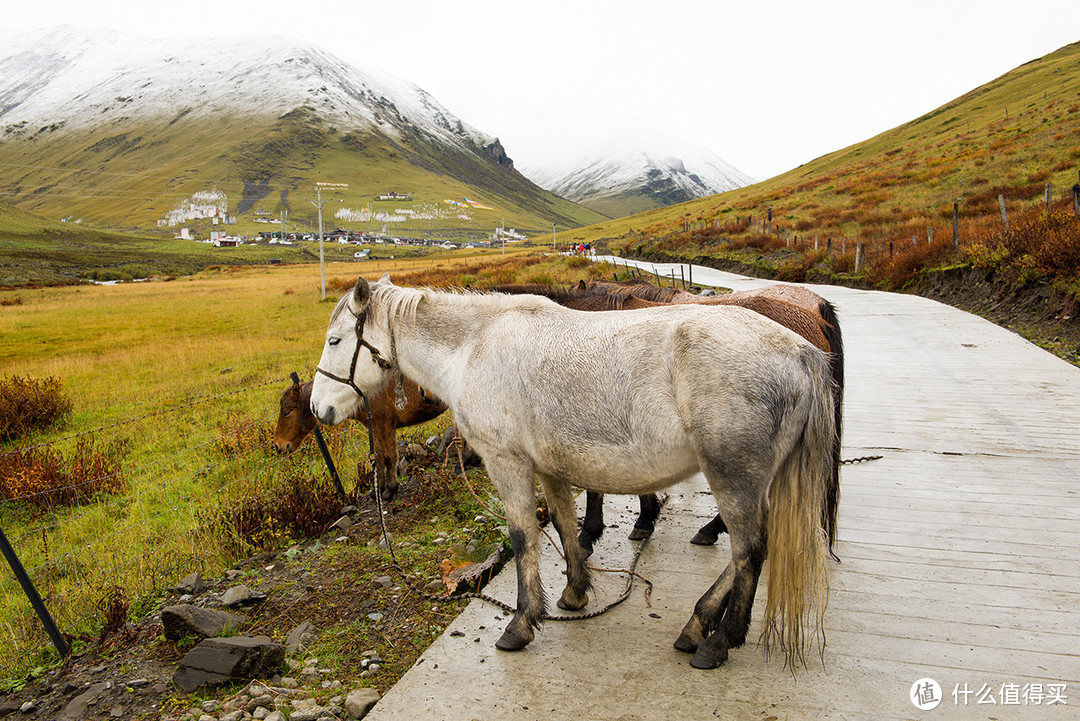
(593, 525)
(561, 505)
(646, 520)
(708, 534)
(732, 626)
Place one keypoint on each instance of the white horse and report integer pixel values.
(618, 402)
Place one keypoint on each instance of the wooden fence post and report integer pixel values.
(914, 241)
(956, 225)
(860, 251)
(1076, 199)
(843, 246)
(929, 235)
(815, 242)
(1004, 214)
(1049, 196)
(828, 247)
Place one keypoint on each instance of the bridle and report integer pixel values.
(360, 342)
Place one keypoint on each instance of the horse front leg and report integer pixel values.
(386, 458)
(561, 506)
(593, 525)
(514, 482)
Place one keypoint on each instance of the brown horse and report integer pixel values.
(295, 422)
(796, 308)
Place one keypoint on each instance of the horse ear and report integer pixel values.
(581, 286)
(361, 295)
(386, 279)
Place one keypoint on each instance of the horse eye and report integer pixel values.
(334, 341)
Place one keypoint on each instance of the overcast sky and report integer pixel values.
(764, 85)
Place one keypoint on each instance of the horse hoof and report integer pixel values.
(510, 641)
(706, 660)
(703, 539)
(640, 534)
(586, 546)
(567, 602)
(685, 644)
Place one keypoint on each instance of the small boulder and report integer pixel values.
(299, 639)
(240, 595)
(191, 583)
(187, 620)
(220, 660)
(360, 701)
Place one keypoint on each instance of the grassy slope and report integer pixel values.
(128, 175)
(1011, 136)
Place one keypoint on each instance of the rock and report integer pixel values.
(28, 707)
(232, 574)
(79, 707)
(275, 716)
(191, 583)
(311, 714)
(375, 616)
(348, 510)
(265, 700)
(210, 706)
(415, 450)
(289, 682)
(300, 638)
(9, 707)
(138, 682)
(260, 713)
(187, 620)
(239, 595)
(116, 712)
(360, 701)
(382, 581)
(218, 660)
(342, 524)
(233, 716)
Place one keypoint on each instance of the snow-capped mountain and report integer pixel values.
(626, 182)
(123, 130)
(79, 77)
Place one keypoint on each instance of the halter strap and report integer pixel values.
(360, 343)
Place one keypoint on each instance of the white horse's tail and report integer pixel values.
(798, 574)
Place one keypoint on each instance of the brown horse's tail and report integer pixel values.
(836, 367)
(798, 573)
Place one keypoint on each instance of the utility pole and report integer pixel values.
(319, 204)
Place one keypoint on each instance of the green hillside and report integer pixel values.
(1009, 137)
(130, 174)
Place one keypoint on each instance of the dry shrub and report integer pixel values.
(299, 503)
(765, 242)
(31, 404)
(44, 478)
(13, 300)
(1045, 242)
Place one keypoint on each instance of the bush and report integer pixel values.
(43, 477)
(27, 404)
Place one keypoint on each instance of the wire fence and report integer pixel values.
(195, 492)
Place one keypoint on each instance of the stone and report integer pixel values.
(210, 706)
(260, 713)
(342, 524)
(382, 581)
(116, 712)
(275, 716)
(28, 707)
(187, 620)
(310, 714)
(79, 706)
(219, 660)
(191, 583)
(233, 716)
(263, 700)
(239, 595)
(299, 638)
(138, 682)
(360, 701)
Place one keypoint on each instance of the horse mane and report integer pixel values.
(637, 288)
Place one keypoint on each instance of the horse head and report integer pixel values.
(351, 365)
(295, 420)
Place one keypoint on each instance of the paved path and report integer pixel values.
(960, 548)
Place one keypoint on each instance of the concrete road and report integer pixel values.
(960, 558)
